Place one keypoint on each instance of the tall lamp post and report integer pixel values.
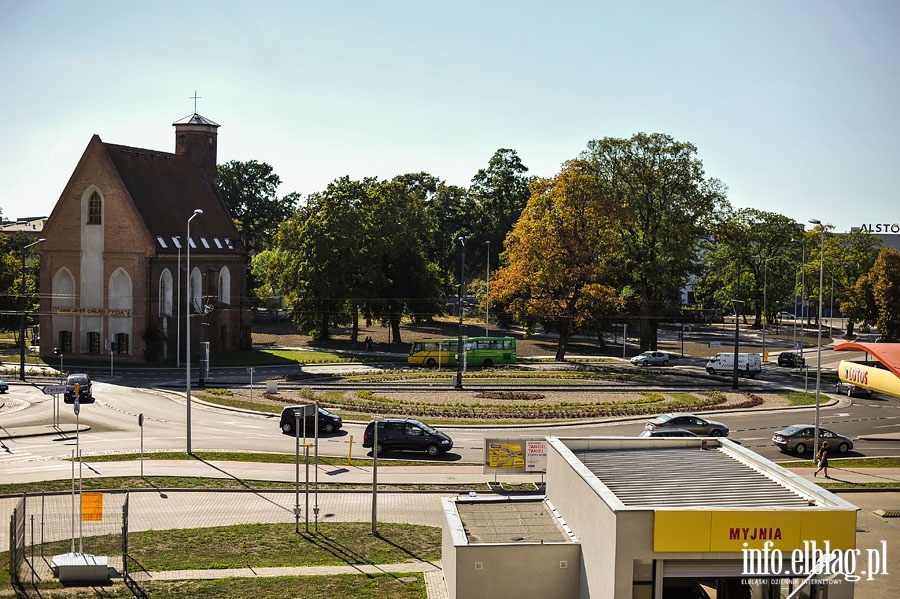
(738, 308)
(187, 327)
(178, 310)
(487, 291)
(819, 340)
(24, 306)
(459, 306)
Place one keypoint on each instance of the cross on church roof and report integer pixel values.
(195, 97)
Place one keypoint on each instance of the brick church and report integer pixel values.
(113, 266)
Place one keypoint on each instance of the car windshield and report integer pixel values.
(77, 379)
(664, 418)
(427, 428)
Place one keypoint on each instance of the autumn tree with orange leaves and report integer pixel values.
(559, 258)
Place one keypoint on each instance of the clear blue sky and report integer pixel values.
(792, 104)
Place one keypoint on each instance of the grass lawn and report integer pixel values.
(259, 546)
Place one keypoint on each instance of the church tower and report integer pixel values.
(196, 138)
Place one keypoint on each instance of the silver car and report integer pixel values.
(688, 422)
(651, 358)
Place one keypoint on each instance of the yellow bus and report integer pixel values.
(433, 352)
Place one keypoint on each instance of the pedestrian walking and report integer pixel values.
(368, 343)
(822, 460)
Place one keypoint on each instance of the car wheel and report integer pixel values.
(286, 428)
(665, 362)
(328, 428)
(843, 448)
(432, 450)
(837, 388)
(645, 363)
(488, 363)
(380, 449)
(710, 371)
(430, 362)
(800, 448)
(715, 433)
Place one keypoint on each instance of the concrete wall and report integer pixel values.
(593, 523)
(513, 571)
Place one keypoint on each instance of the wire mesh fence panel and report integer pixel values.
(80, 532)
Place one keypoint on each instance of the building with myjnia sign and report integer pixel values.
(647, 518)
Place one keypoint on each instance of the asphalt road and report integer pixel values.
(113, 419)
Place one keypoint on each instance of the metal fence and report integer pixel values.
(48, 529)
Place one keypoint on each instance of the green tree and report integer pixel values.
(875, 297)
(323, 256)
(848, 256)
(11, 280)
(560, 253)
(750, 256)
(401, 279)
(667, 208)
(248, 191)
(495, 200)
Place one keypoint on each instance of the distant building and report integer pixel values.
(31, 225)
(113, 264)
(889, 233)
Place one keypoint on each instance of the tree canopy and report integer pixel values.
(559, 255)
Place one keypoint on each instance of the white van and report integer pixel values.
(723, 363)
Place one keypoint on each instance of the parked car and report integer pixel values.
(785, 316)
(648, 358)
(688, 422)
(850, 389)
(406, 434)
(328, 421)
(791, 359)
(800, 438)
(85, 393)
(666, 432)
(4, 387)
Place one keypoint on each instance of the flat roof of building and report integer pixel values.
(674, 473)
(510, 521)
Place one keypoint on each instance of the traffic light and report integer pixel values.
(77, 388)
(55, 351)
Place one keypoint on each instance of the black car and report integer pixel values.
(851, 389)
(85, 395)
(328, 421)
(791, 359)
(406, 434)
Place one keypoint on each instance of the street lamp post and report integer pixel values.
(819, 340)
(178, 311)
(24, 305)
(187, 325)
(487, 291)
(738, 308)
(459, 306)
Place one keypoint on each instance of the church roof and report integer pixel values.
(166, 189)
(196, 119)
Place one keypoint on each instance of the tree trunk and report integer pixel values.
(565, 330)
(395, 328)
(354, 330)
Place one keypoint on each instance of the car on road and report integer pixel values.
(791, 359)
(666, 432)
(651, 358)
(85, 393)
(406, 434)
(784, 316)
(328, 421)
(800, 438)
(688, 422)
(4, 387)
(851, 389)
